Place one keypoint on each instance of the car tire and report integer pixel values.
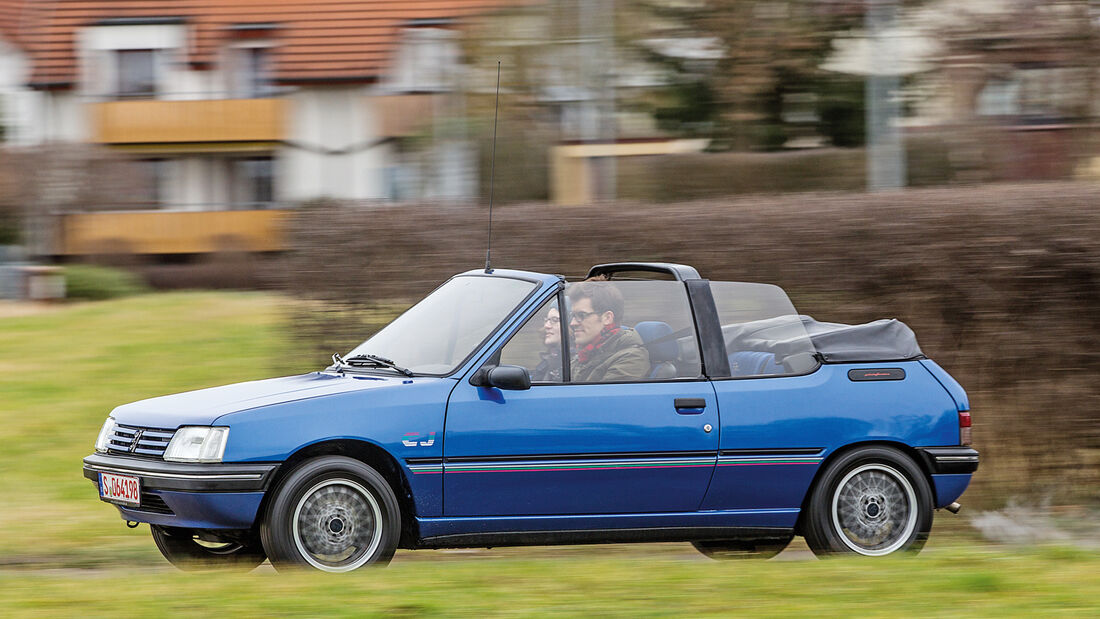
(188, 552)
(871, 501)
(724, 549)
(334, 514)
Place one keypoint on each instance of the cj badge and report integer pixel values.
(411, 440)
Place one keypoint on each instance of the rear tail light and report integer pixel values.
(964, 427)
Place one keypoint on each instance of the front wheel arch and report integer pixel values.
(368, 453)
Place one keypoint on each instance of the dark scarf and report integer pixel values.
(601, 339)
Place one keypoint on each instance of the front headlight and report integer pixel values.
(197, 444)
(104, 435)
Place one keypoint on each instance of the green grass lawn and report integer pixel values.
(63, 552)
(962, 582)
(63, 370)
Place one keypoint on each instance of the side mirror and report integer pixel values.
(511, 377)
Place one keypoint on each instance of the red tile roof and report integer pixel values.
(319, 40)
(10, 13)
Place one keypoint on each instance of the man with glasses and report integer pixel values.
(606, 351)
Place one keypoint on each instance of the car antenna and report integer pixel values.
(492, 173)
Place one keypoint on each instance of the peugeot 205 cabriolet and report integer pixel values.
(512, 408)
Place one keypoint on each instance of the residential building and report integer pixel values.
(246, 104)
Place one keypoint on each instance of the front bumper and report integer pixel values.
(202, 496)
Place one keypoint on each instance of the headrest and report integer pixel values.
(653, 330)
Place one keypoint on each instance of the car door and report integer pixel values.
(774, 405)
(638, 444)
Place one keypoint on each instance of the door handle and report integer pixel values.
(690, 406)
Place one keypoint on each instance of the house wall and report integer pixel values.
(16, 101)
(57, 116)
(333, 148)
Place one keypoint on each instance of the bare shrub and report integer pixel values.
(37, 183)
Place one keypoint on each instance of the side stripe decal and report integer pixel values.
(764, 458)
(424, 466)
(578, 466)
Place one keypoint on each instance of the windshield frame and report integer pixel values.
(520, 308)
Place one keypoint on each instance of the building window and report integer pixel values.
(136, 70)
(427, 60)
(251, 72)
(153, 176)
(999, 98)
(254, 181)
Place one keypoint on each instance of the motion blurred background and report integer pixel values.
(934, 161)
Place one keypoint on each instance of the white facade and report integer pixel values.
(334, 148)
(16, 101)
(427, 62)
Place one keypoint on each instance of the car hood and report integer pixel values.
(202, 407)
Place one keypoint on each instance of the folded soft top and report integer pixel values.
(880, 340)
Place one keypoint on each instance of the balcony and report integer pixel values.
(218, 121)
(171, 232)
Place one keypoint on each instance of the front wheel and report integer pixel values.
(334, 514)
(191, 552)
(872, 501)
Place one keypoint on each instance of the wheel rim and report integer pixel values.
(337, 525)
(874, 509)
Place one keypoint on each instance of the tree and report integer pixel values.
(767, 54)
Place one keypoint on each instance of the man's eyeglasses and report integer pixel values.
(580, 315)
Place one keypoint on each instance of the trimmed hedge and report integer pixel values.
(1000, 282)
(85, 281)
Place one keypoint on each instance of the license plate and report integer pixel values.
(120, 488)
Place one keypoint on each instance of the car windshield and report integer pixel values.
(437, 334)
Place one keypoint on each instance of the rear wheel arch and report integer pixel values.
(368, 453)
(911, 453)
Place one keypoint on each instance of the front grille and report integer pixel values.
(153, 503)
(139, 441)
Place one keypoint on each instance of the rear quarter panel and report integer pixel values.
(823, 411)
(949, 383)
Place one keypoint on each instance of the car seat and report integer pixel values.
(663, 353)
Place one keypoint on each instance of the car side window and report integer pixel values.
(537, 346)
(631, 331)
(763, 334)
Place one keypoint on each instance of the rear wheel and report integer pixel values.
(872, 501)
(194, 552)
(721, 550)
(334, 514)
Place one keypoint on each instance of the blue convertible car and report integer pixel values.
(510, 408)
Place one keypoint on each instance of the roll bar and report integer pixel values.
(679, 272)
